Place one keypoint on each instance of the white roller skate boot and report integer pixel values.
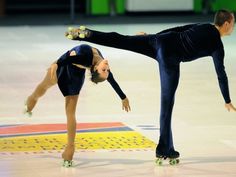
(67, 156)
(26, 110)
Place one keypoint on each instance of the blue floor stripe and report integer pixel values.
(13, 125)
(150, 129)
(114, 129)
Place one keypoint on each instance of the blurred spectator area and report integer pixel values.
(36, 6)
(112, 7)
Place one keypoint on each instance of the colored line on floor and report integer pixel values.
(92, 140)
(64, 131)
(40, 128)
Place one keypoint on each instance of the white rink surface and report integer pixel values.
(204, 132)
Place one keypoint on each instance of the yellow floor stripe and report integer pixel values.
(98, 140)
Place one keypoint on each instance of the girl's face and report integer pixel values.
(103, 69)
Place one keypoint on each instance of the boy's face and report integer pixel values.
(229, 27)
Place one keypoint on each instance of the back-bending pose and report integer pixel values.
(69, 73)
(171, 47)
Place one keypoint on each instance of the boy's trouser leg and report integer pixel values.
(144, 44)
(169, 81)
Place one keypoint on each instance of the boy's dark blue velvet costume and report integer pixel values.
(171, 47)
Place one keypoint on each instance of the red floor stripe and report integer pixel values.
(55, 127)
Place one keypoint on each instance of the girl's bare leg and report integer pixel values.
(71, 102)
(40, 91)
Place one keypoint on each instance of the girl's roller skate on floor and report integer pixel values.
(172, 156)
(75, 33)
(26, 110)
(67, 156)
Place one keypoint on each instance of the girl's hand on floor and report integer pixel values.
(230, 106)
(125, 105)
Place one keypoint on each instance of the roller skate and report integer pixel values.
(75, 33)
(172, 156)
(26, 110)
(67, 156)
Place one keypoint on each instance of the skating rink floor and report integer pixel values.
(111, 142)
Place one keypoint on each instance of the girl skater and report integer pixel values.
(69, 73)
(169, 48)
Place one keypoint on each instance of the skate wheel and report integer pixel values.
(70, 29)
(67, 163)
(174, 161)
(177, 160)
(29, 114)
(82, 28)
(159, 162)
(69, 36)
(81, 35)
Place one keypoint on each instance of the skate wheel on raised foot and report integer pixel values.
(173, 161)
(69, 36)
(67, 163)
(82, 28)
(70, 29)
(81, 35)
(159, 161)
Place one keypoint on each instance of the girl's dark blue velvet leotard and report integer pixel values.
(71, 78)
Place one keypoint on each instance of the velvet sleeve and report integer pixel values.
(218, 58)
(115, 86)
(177, 29)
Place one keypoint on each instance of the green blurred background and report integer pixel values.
(102, 7)
(24, 12)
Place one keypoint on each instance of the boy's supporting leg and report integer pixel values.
(169, 82)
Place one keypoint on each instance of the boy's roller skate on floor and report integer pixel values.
(67, 156)
(75, 33)
(172, 156)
